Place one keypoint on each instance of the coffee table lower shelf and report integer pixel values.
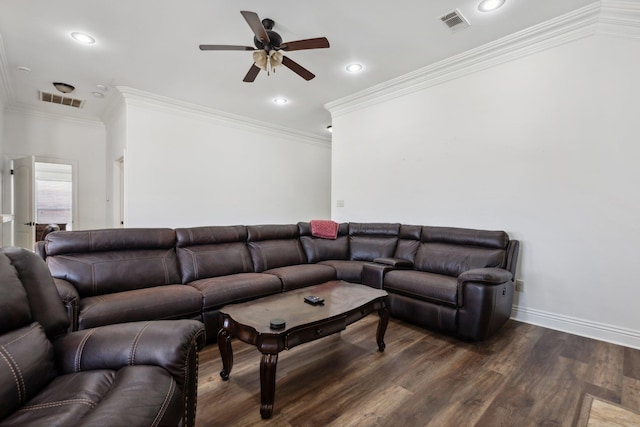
(345, 303)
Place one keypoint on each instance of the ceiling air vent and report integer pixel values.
(62, 100)
(454, 20)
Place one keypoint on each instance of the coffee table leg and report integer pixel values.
(226, 353)
(382, 327)
(268, 365)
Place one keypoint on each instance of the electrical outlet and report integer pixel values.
(340, 203)
(519, 285)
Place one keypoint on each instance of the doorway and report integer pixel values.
(44, 193)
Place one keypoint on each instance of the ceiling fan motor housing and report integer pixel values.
(274, 41)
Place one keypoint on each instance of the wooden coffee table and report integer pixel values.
(345, 303)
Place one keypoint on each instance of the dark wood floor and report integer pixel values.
(524, 376)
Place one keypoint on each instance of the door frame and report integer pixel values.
(8, 196)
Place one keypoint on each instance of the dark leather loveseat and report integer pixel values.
(134, 374)
(459, 281)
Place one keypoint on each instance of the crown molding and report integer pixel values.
(620, 18)
(165, 104)
(6, 92)
(572, 26)
(34, 112)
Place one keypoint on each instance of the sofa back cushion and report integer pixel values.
(368, 241)
(28, 294)
(408, 242)
(212, 251)
(26, 366)
(15, 311)
(318, 249)
(452, 251)
(99, 262)
(273, 246)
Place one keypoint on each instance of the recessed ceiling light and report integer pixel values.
(24, 69)
(354, 68)
(98, 94)
(102, 88)
(280, 101)
(82, 37)
(489, 5)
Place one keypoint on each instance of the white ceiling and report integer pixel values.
(152, 46)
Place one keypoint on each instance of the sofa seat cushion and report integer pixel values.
(104, 397)
(158, 303)
(235, 288)
(351, 271)
(301, 275)
(435, 288)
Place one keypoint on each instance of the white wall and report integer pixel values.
(2, 206)
(36, 134)
(116, 147)
(188, 169)
(545, 147)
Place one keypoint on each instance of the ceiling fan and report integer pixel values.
(268, 45)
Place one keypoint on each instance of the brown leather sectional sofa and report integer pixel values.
(459, 281)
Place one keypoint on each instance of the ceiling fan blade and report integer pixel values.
(224, 47)
(297, 68)
(317, 43)
(251, 74)
(256, 26)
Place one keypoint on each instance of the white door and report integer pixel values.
(24, 224)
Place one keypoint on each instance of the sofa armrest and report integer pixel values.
(485, 300)
(490, 276)
(39, 249)
(164, 343)
(394, 262)
(482, 276)
(70, 298)
(373, 274)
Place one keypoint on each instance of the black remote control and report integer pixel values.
(313, 300)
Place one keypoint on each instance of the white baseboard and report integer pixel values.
(582, 327)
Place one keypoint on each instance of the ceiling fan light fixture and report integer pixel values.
(490, 5)
(354, 68)
(267, 61)
(82, 37)
(260, 59)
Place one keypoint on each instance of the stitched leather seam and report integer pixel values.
(81, 349)
(186, 385)
(30, 331)
(15, 368)
(165, 404)
(194, 261)
(13, 372)
(96, 298)
(164, 265)
(136, 340)
(56, 404)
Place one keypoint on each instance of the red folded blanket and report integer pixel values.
(324, 229)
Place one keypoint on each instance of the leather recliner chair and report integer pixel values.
(131, 374)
